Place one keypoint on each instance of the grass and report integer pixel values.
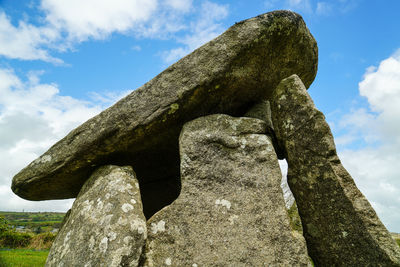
(294, 218)
(23, 257)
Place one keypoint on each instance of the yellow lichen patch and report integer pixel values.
(213, 88)
(173, 107)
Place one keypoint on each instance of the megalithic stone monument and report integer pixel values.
(340, 226)
(227, 75)
(231, 209)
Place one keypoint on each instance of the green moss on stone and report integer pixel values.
(173, 107)
(295, 221)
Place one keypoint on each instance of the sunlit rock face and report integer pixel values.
(106, 225)
(231, 210)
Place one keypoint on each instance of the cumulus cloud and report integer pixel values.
(202, 30)
(33, 116)
(378, 128)
(25, 41)
(97, 18)
(67, 23)
(181, 5)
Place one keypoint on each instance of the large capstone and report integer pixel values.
(231, 210)
(227, 75)
(106, 225)
(340, 226)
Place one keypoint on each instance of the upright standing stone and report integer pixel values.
(106, 226)
(231, 210)
(340, 226)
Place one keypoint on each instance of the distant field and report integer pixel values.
(32, 216)
(23, 258)
(31, 221)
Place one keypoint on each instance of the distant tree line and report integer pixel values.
(10, 238)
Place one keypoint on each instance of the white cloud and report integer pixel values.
(378, 127)
(182, 5)
(376, 176)
(97, 18)
(25, 41)
(11, 202)
(33, 116)
(202, 30)
(67, 23)
(323, 8)
(382, 89)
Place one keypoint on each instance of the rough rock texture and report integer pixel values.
(106, 225)
(231, 210)
(226, 75)
(340, 226)
(262, 111)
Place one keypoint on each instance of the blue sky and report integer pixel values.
(62, 62)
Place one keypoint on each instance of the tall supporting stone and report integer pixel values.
(231, 210)
(340, 226)
(106, 225)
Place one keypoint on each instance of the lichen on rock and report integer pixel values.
(231, 210)
(105, 226)
(340, 226)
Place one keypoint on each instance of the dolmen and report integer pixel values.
(184, 171)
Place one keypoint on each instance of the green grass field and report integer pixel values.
(31, 258)
(23, 258)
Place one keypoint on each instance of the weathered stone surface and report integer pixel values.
(226, 75)
(340, 226)
(262, 111)
(231, 210)
(106, 225)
